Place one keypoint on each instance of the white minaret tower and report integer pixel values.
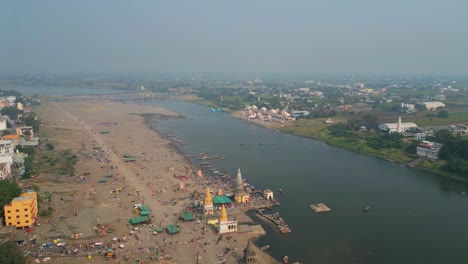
(398, 128)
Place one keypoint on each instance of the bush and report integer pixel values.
(443, 114)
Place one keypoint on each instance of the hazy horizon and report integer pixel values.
(289, 37)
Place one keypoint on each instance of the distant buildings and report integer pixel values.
(263, 114)
(397, 127)
(459, 129)
(407, 108)
(432, 106)
(299, 114)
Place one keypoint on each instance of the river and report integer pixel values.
(415, 217)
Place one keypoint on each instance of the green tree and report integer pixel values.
(10, 111)
(443, 114)
(30, 150)
(28, 167)
(8, 191)
(11, 254)
(31, 120)
(49, 146)
(369, 118)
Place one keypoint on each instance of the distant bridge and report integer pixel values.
(129, 97)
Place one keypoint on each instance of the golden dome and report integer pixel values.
(208, 198)
(223, 216)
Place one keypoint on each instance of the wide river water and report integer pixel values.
(415, 217)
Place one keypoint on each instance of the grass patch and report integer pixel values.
(454, 117)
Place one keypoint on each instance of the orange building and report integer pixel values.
(22, 211)
(13, 137)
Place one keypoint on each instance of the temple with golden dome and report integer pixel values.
(224, 224)
(208, 205)
(240, 196)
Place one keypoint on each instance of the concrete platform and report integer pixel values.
(320, 208)
(253, 229)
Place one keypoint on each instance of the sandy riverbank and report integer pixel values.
(78, 127)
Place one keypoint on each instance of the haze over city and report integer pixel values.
(319, 37)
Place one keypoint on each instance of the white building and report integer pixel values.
(431, 106)
(11, 99)
(407, 108)
(397, 127)
(459, 129)
(420, 136)
(224, 224)
(3, 124)
(428, 149)
(6, 159)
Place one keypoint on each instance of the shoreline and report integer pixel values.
(153, 175)
(277, 127)
(173, 145)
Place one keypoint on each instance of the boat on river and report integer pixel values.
(277, 220)
(280, 190)
(366, 209)
(265, 248)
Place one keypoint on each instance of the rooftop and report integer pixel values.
(221, 200)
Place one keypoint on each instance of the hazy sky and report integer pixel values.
(289, 36)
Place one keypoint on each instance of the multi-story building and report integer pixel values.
(6, 158)
(428, 149)
(22, 211)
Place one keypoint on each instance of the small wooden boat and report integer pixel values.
(366, 209)
(280, 190)
(265, 248)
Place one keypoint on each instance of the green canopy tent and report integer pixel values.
(96, 147)
(102, 181)
(139, 220)
(129, 159)
(126, 155)
(220, 200)
(143, 208)
(172, 229)
(104, 132)
(109, 175)
(159, 229)
(144, 212)
(187, 217)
